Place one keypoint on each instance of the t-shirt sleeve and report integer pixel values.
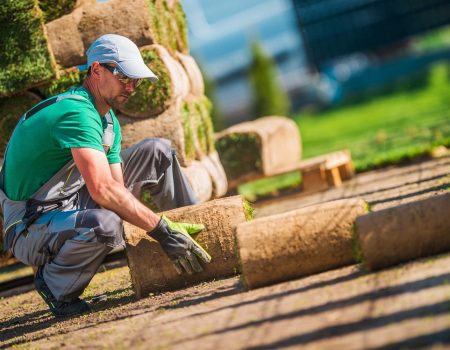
(78, 127)
(114, 153)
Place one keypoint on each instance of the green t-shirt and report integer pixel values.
(41, 145)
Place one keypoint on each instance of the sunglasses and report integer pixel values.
(122, 77)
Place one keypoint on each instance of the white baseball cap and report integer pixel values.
(113, 48)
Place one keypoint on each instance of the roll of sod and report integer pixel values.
(11, 109)
(152, 99)
(212, 164)
(241, 156)
(197, 86)
(200, 180)
(151, 271)
(178, 20)
(298, 243)
(262, 147)
(25, 58)
(145, 22)
(405, 232)
(173, 124)
(170, 24)
(71, 35)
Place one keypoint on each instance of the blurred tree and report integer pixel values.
(269, 98)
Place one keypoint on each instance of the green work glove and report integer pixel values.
(180, 247)
(183, 227)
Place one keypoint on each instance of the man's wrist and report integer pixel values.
(154, 221)
(159, 232)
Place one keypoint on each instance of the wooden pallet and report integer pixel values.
(323, 172)
(318, 173)
(327, 171)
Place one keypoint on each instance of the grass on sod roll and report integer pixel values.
(154, 10)
(189, 146)
(249, 211)
(385, 130)
(206, 130)
(181, 26)
(169, 25)
(151, 96)
(170, 30)
(25, 60)
(201, 124)
(240, 154)
(53, 9)
(68, 79)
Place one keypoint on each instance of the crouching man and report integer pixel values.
(66, 186)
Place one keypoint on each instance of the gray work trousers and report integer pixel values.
(71, 244)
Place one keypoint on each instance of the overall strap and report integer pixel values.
(49, 102)
(108, 133)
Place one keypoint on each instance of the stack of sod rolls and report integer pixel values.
(47, 40)
(43, 38)
(44, 43)
(263, 147)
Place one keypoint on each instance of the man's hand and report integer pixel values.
(175, 239)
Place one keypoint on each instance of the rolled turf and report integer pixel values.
(71, 35)
(25, 57)
(298, 243)
(151, 271)
(154, 98)
(32, 51)
(405, 232)
(258, 148)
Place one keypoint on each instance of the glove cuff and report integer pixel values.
(160, 232)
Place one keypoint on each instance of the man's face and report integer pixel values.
(116, 89)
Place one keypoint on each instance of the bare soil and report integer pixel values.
(407, 306)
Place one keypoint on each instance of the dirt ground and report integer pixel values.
(407, 306)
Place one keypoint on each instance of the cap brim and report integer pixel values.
(136, 69)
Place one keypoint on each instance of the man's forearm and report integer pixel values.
(117, 198)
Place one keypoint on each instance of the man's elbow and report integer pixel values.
(101, 193)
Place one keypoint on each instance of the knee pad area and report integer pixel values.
(106, 225)
(158, 152)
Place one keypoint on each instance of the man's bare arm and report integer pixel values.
(116, 172)
(110, 193)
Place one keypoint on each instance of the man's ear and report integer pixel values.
(96, 69)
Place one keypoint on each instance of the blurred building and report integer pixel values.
(220, 34)
(362, 44)
(324, 49)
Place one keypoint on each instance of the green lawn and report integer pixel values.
(384, 130)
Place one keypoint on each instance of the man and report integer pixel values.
(64, 192)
